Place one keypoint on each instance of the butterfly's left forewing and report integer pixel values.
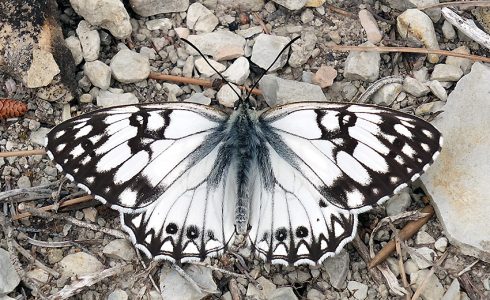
(354, 155)
(128, 156)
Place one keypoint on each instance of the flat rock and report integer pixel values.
(433, 288)
(283, 293)
(79, 264)
(452, 292)
(205, 69)
(244, 5)
(174, 286)
(458, 181)
(119, 249)
(368, 22)
(415, 87)
(108, 99)
(159, 24)
(448, 30)
(337, 268)
(90, 41)
(325, 76)
(128, 66)
(238, 71)
(291, 4)
(424, 257)
(200, 18)
(198, 98)
(278, 91)
(423, 238)
(398, 203)
(445, 72)
(387, 94)
(430, 107)
(268, 289)
(266, 49)
(73, 44)
(38, 137)
(463, 63)
(108, 14)
(118, 294)
(226, 96)
(362, 65)
(148, 8)
(358, 289)
(438, 90)
(415, 24)
(221, 44)
(98, 73)
(9, 279)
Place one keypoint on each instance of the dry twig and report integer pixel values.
(407, 232)
(89, 280)
(23, 153)
(456, 3)
(55, 206)
(468, 27)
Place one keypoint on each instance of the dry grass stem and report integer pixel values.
(23, 153)
(66, 203)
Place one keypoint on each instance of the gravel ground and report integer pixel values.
(60, 250)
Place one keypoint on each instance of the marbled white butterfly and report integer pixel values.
(186, 177)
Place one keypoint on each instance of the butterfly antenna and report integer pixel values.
(209, 64)
(288, 45)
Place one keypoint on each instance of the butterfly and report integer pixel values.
(187, 178)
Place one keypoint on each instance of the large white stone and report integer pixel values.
(221, 45)
(458, 180)
(266, 49)
(278, 91)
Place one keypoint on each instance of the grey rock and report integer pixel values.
(464, 165)
(429, 107)
(358, 289)
(337, 268)
(268, 289)
(221, 44)
(226, 96)
(303, 49)
(278, 91)
(393, 265)
(108, 99)
(90, 214)
(250, 32)
(108, 14)
(148, 8)
(120, 249)
(415, 24)
(55, 255)
(448, 31)
(307, 16)
(200, 18)
(291, 4)
(128, 66)
(370, 25)
(422, 74)
(387, 94)
(244, 5)
(266, 49)
(159, 24)
(118, 294)
(423, 257)
(362, 65)
(24, 182)
(9, 279)
(73, 43)
(283, 293)
(79, 264)
(98, 73)
(441, 244)
(424, 238)
(314, 294)
(38, 137)
(415, 87)
(205, 70)
(198, 98)
(463, 63)
(298, 276)
(90, 41)
(148, 52)
(173, 91)
(410, 267)
(433, 288)
(438, 90)
(238, 71)
(174, 286)
(433, 13)
(86, 98)
(398, 203)
(445, 72)
(452, 292)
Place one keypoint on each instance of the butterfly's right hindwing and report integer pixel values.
(128, 156)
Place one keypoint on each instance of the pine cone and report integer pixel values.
(10, 108)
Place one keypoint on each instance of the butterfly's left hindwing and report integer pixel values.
(130, 155)
(354, 155)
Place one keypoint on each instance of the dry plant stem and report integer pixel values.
(421, 288)
(193, 81)
(55, 206)
(43, 214)
(340, 11)
(468, 27)
(364, 253)
(472, 291)
(456, 3)
(35, 189)
(408, 50)
(401, 267)
(467, 268)
(23, 153)
(407, 232)
(261, 22)
(89, 280)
